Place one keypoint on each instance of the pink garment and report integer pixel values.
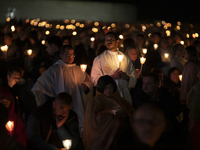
(189, 79)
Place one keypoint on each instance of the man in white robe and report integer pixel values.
(64, 76)
(107, 63)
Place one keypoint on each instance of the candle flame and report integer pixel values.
(182, 42)
(92, 39)
(155, 46)
(144, 50)
(67, 143)
(10, 125)
(29, 52)
(120, 57)
(180, 77)
(166, 55)
(142, 60)
(4, 48)
(83, 67)
(43, 42)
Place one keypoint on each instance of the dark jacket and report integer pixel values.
(44, 134)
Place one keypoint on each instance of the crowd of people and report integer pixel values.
(112, 92)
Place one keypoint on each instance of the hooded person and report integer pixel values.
(108, 118)
(19, 130)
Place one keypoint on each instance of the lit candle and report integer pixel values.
(166, 55)
(92, 39)
(4, 49)
(67, 143)
(13, 28)
(47, 32)
(43, 42)
(144, 50)
(182, 42)
(120, 58)
(121, 37)
(155, 46)
(29, 52)
(142, 61)
(10, 126)
(180, 77)
(83, 67)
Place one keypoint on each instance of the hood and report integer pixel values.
(5, 92)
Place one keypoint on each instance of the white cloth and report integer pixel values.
(107, 63)
(67, 78)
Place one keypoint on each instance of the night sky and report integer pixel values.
(168, 10)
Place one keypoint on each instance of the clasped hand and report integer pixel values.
(118, 74)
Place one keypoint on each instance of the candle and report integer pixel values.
(10, 126)
(144, 50)
(120, 58)
(83, 67)
(180, 77)
(166, 55)
(47, 32)
(13, 28)
(155, 46)
(92, 42)
(142, 61)
(29, 52)
(67, 143)
(4, 49)
(182, 42)
(43, 42)
(121, 37)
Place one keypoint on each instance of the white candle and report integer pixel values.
(121, 37)
(142, 61)
(155, 46)
(13, 28)
(43, 42)
(10, 126)
(83, 67)
(29, 52)
(92, 39)
(120, 58)
(166, 55)
(67, 143)
(144, 50)
(180, 77)
(4, 49)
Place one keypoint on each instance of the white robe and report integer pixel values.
(107, 63)
(67, 78)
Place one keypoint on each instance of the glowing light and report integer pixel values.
(122, 45)
(62, 27)
(149, 35)
(155, 46)
(127, 25)
(95, 30)
(108, 28)
(151, 25)
(82, 25)
(27, 21)
(142, 60)
(193, 35)
(47, 32)
(83, 67)
(182, 42)
(163, 22)
(169, 25)
(178, 28)
(74, 33)
(13, 28)
(29, 52)
(180, 77)
(144, 50)
(10, 126)
(67, 143)
(196, 35)
(120, 57)
(77, 24)
(4, 48)
(165, 27)
(132, 28)
(66, 21)
(104, 27)
(144, 28)
(166, 55)
(73, 21)
(113, 25)
(121, 37)
(158, 24)
(168, 32)
(47, 25)
(96, 24)
(43, 42)
(92, 39)
(187, 35)
(57, 26)
(179, 23)
(8, 19)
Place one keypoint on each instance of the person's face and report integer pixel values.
(164, 44)
(6, 102)
(187, 56)
(7, 40)
(61, 110)
(108, 90)
(13, 79)
(177, 39)
(175, 76)
(148, 126)
(132, 53)
(156, 39)
(180, 52)
(68, 56)
(66, 42)
(50, 48)
(110, 42)
(149, 86)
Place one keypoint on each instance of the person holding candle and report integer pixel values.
(66, 76)
(108, 118)
(19, 130)
(107, 63)
(52, 123)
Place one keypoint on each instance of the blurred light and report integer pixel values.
(43, 42)
(13, 28)
(121, 37)
(66, 21)
(144, 28)
(8, 19)
(196, 35)
(149, 35)
(158, 24)
(38, 19)
(62, 27)
(92, 39)
(151, 25)
(39, 24)
(182, 42)
(163, 22)
(191, 26)
(127, 25)
(113, 25)
(178, 28)
(121, 45)
(73, 27)
(96, 24)
(27, 21)
(35, 23)
(108, 28)
(193, 35)
(132, 28)
(187, 35)
(73, 21)
(169, 25)
(82, 25)
(47, 26)
(77, 24)
(57, 26)
(47, 32)
(179, 23)
(95, 30)
(74, 33)
(50, 25)
(104, 27)
(165, 27)
(168, 32)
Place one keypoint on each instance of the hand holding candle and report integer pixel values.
(10, 126)
(29, 52)
(120, 58)
(83, 67)
(67, 143)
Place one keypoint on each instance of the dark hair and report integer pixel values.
(127, 43)
(103, 81)
(11, 70)
(112, 33)
(65, 47)
(54, 40)
(176, 47)
(64, 97)
(101, 49)
(4, 114)
(172, 70)
(156, 33)
(154, 76)
(196, 43)
(9, 35)
(192, 52)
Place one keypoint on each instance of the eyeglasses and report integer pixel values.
(70, 55)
